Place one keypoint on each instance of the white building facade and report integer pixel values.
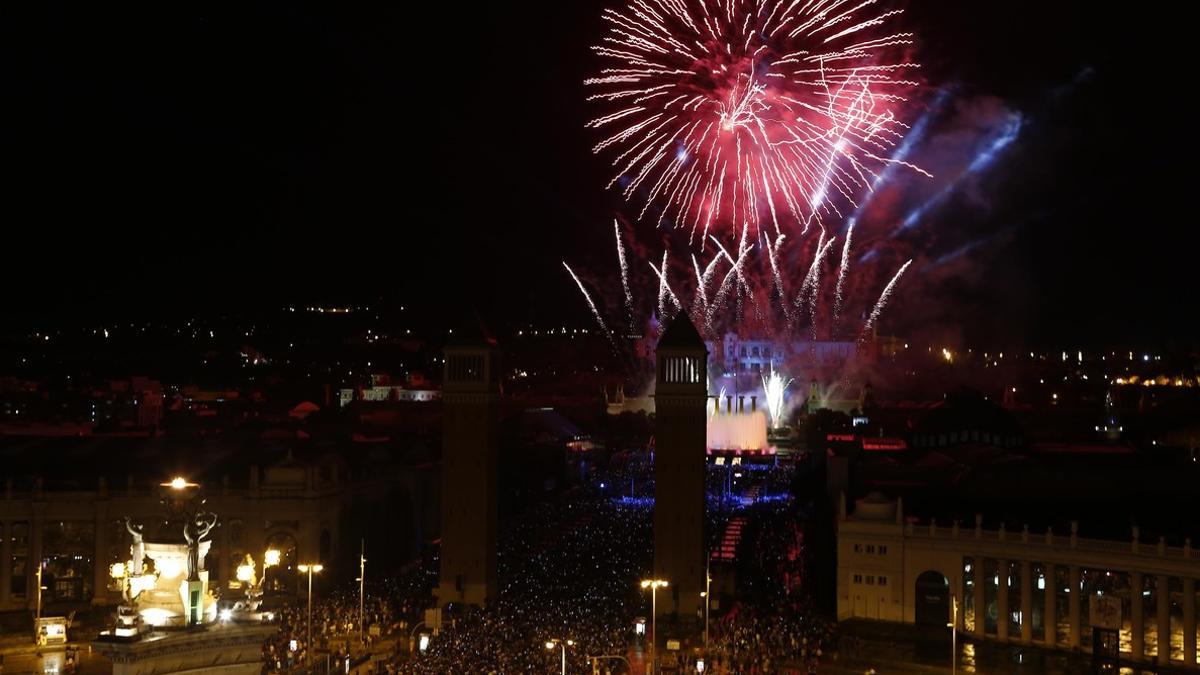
(1017, 587)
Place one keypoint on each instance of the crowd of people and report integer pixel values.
(569, 570)
(566, 573)
(387, 607)
(775, 628)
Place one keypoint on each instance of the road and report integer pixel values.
(888, 648)
(23, 661)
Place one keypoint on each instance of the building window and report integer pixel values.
(882, 550)
(743, 351)
(858, 548)
(858, 578)
(871, 548)
(870, 580)
(883, 581)
(767, 352)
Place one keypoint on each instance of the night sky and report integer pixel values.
(208, 156)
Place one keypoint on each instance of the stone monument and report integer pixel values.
(167, 619)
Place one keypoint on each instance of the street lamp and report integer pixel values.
(245, 574)
(271, 558)
(37, 621)
(551, 644)
(707, 595)
(654, 585)
(310, 570)
(954, 633)
(362, 576)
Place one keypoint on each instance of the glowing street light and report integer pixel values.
(310, 570)
(707, 595)
(551, 644)
(179, 483)
(245, 573)
(954, 633)
(654, 585)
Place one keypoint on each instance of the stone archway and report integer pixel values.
(932, 599)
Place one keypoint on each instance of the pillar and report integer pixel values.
(1073, 579)
(226, 568)
(1026, 602)
(1163, 618)
(1002, 599)
(36, 525)
(1189, 623)
(1050, 611)
(5, 564)
(1137, 627)
(980, 597)
(100, 554)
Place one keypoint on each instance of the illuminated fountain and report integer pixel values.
(736, 429)
(167, 619)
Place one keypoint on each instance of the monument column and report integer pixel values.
(1002, 599)
(980, 594)
(1163, 618)
(5, 564)
(1050, 610)
(1189, 622)
(100, 559)
(470, 455)
(1026, 602)
(1073, 606)
(681, 440)
(1137, 609)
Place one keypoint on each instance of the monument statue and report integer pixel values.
(194, 529)
(138, 550)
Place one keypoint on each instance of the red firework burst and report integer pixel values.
(744, 113)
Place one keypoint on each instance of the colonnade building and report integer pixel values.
(1046, 588)
(76, 534)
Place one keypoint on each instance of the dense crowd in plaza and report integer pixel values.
(569, 571)
(335, 621)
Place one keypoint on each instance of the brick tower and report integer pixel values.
(471, 398)
(681, 392)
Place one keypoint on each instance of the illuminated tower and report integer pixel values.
(471, 397)
(681, 392)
